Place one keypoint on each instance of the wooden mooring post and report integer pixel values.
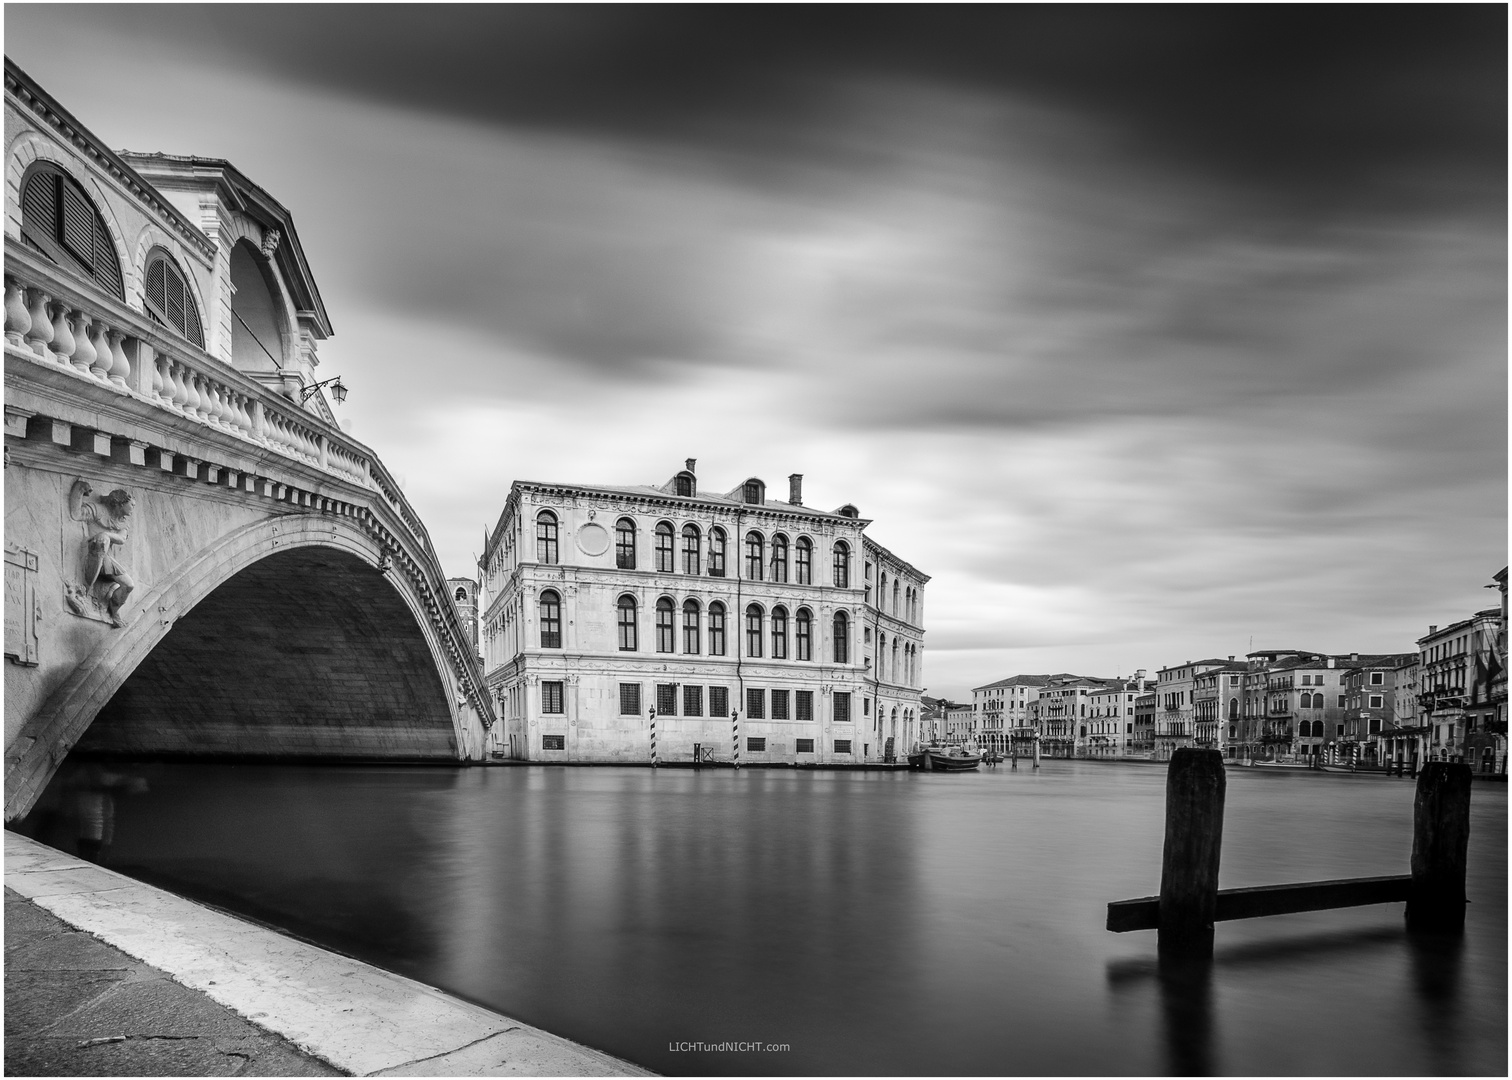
(1190, 901)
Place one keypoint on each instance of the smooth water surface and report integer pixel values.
(873, 923)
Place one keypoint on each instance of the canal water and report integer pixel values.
(834, 922)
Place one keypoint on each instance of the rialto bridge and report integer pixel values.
(198, 560)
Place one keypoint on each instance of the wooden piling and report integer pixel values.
(1440, 842)
(1195, 787)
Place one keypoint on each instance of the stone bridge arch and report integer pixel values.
(288, 637)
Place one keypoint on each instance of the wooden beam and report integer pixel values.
(1262, 900)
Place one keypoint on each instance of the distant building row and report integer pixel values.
(1445, 701)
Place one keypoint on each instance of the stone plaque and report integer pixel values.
(21, 612)
(593, 539)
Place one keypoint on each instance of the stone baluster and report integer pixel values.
(273, 428)
(189, 380)
(100, 369)
(84, 352)
(63, 339)
(180, 387)
(41, 333)
(238, 418)
(17, 318)
(158, 386)
(120, 366)
(218, 411)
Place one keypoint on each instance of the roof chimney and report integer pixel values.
(795, 489)
(1231, 656)
(1330, 661)
(1433, 628)
(1355, 657)
(692, 461)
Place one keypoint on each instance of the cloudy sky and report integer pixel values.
(1148, 332)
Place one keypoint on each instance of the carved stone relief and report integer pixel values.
(22, 612)
(104, 584)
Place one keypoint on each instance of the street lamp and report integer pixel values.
(338, 391)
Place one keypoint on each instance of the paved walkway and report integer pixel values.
(159, 985)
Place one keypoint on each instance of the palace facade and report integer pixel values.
(640, 623)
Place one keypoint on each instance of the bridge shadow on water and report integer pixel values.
(1188, 989)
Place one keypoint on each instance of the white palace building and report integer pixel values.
(729, 624)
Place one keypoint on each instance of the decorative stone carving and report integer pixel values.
(270, 242)
(22, 612)
(106, 584)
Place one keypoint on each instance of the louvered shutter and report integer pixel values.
(156, 294)
(78, 226)
(39, 205)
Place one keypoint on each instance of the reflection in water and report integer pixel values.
(872, 923)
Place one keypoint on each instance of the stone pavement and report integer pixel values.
(199, 992)
(75, 1006)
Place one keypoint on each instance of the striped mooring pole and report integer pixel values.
(654, 762)
(735, 737)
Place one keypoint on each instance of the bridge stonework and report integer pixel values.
(261, 589)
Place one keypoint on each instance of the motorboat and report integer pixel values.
(943, 759)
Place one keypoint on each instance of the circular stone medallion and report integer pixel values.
(593, 539)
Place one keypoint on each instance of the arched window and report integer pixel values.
(691, 545)
(779, 633)
(59, 220)
(716, 552)
(546, 537)
(803, 561)
(881, 656)
(753, 630)
(780, 558)
(461, 593)
(882, 593)
(804, 634)
(895, 596)
(624, 544)
(892, 670)
(754, 491)
(627, 636)
(754, 546)
(169, 300)
(842, 565)
(665, 563)
(716, 629)
(691, 629)
(1233, 708)
(551, 620)
(666, 633)
(685, 484)
(842, 638)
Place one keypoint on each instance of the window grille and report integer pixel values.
(805, 705)
(842, 707)
(553, 742)
(630, 704)
(666, 699)
(551, 698)
(719, 701)
(756, 744)
(755, 703)
(842, 746)
(779, 704)
(803, 746)
(692, 701)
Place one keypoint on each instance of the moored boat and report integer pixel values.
(941, 759)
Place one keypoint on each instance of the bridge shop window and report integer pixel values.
(551, 620)
(664, 559)
(624, 544)
(716, 552)
(666, 633)
(803, 746)
(842, 711)
(553, 742)
(691, 629)
(627, 635)
(666, 699)
(755, 703)
(842, 746)
(716, 629)
(804, 636)
(756, 744)
(168, 298)
(805, 702)
(692, 701)
(59, 220)
(630, 698)
(691, 545)
(803, 561)
(551, 699)
(546, 537)
(719, 701)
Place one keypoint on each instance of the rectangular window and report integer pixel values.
(551, 697)
(779, 704)
(716, 630)
(630, 699)
(866, 706)
(716, 553)
(842, 746)
(755, 703)
(1377, 678)
(805, 705)
(692, 701)
(804, 746)
(1376, 700)
(842, 712)
(756, 744)
(1341, 701)
(553, 742)
(666, 699)
(719, 701)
